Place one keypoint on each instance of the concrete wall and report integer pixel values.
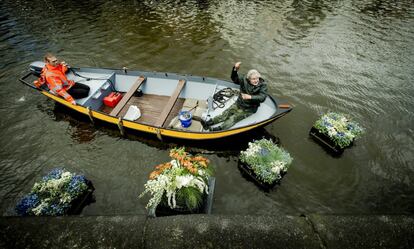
(209, 231)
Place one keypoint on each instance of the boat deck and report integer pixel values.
(151, 106)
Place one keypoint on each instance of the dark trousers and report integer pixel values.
(79, 91)
(231, 116)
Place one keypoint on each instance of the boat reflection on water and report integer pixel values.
(84, 131)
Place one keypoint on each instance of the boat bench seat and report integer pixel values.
(99, 87)
(170, 104)
(141, 79)
(197, 108)
(195, 126)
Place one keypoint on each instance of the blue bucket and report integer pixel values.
(185, 118)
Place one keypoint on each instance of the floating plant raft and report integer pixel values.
(60, 192)
(335, 132)
(264, 162)
(183, 185)
(205, 208)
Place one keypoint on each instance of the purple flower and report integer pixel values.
(327, 124)
(27, 203)
(54, 209)
(264, 151)
(77, 185)
(54, 174)
(58, 201)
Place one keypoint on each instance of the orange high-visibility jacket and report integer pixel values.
(57, 82)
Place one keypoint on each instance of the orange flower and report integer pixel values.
(153, 175)
(187, 164)
(167, 165)
(203, 164)
(183, 157)
(191, 164)
(159, 166)
(202, 160)
(192, 170)
(199, 158)
(172, 154)
(178, 153)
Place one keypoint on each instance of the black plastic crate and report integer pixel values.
(327, 142)
(205, 208)
(249, 173)
(81, 201)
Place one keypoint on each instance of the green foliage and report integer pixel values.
(339, 128)
(180, 183)
(266, 159)
(190, 197)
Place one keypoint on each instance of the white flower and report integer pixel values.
(66, 175)
(66, 198)
(350, 135)
(331, 131)
(156, 188)
(252, 150)
(38, 210)
(277, 167)
(200, 184)
(183, 181)
(171, 199)
(275, 170)
(174, 163)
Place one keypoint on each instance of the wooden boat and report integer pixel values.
(160, 97)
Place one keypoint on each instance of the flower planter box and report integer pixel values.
(326, 142)
(163, 210)
(249, 173)
(81, 201)
(60, 192)
(335, 132)
(264, 162)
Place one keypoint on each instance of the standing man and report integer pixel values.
(253, 91)
(54, 75)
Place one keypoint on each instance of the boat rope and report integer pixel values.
(89, 78)
(221, 97)
(158, 134)
(121, 126)
(90, 114)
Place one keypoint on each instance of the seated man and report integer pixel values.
(54, 75)
(253, 91)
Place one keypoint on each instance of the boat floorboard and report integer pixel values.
(151, 106)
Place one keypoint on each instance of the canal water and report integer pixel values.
(354, 57)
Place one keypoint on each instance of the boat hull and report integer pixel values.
(162, 131)
(159, 132)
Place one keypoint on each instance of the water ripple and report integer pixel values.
(354, 57)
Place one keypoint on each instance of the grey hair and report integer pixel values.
(253, 74)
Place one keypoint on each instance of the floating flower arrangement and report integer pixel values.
(336, 131)
(181, 183)
(56, 194)
(265, 162)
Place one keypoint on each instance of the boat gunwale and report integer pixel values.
(164, 74)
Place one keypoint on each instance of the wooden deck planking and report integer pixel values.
(151, 107)
(127, 96)
(168, 107)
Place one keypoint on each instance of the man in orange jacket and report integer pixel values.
(54, 74)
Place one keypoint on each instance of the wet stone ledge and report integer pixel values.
(209, 231)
